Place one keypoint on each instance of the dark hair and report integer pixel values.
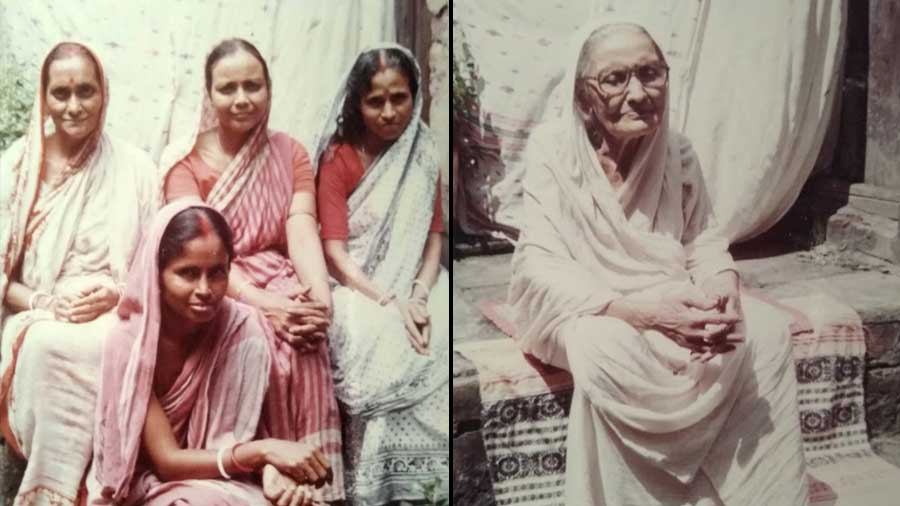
(189, 224)
(350, 126)
(66, 50)
(228, 47)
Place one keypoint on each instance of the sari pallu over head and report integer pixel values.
(595, 242)
(389, 216)
(38, 225)
(21, 170)
(129, 360)
(253, 192)
(391, 208)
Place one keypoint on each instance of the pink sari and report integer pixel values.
(216, 400)
(254, 194)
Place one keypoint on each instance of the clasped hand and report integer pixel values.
(707, 320)
(417, 322)
(701, 323)
(85, 305)
(297, 318)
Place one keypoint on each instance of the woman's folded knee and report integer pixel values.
(596, 338)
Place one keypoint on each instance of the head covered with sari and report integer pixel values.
(390, 209)
(21, 170)
(129, 361)
(37, 216)
(585, 242)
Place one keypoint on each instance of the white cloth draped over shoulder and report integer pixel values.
(389, 216)
(396, 399)
(648, 425)
(757, 133)
(584, 243)
(60, 240)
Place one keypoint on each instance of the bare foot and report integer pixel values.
(282, 490)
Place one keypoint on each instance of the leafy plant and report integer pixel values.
(467, 83)
(435, 494)
(16, 97)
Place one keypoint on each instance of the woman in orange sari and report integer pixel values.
(262, 182)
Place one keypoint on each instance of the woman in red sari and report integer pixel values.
(262, 182)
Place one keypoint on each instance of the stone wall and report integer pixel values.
(883, 146)
(854, 202)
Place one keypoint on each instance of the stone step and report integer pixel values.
(866, 283)
(869, 233)
(875, 200)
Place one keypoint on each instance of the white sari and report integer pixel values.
(82, 232)
(397, 400)
(647, 425)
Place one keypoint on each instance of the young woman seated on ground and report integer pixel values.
(181, 429)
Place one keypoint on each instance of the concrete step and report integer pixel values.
(875, 200)
(870, 233)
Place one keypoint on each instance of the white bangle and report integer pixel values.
(422, 284)
(386, 298)
(33, 299)
(219, 462)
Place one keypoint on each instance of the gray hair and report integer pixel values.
(604, 33)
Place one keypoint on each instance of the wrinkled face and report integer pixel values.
(387, 108)
(622, 88)
(238, 91)
(194, 283)
(74, 96)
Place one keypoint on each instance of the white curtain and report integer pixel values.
(752, 86)
(153, 52)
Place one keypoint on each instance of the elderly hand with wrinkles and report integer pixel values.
(688, 317)
(724, 287)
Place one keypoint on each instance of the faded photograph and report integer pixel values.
(223, 265)
(675, 253)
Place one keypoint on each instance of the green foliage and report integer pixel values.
(435, 494)
(16, 97)
(467, 83)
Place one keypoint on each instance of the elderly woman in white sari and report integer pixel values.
(380, 215)
(684, 387)
(72, 204)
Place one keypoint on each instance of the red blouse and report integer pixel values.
(338, 177)
(193, 176)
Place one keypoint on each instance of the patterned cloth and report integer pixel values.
(525, 408)
(396, 399)
(254, 194)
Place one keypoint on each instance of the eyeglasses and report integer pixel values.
(614, 82)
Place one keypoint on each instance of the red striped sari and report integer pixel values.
(254, 194)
